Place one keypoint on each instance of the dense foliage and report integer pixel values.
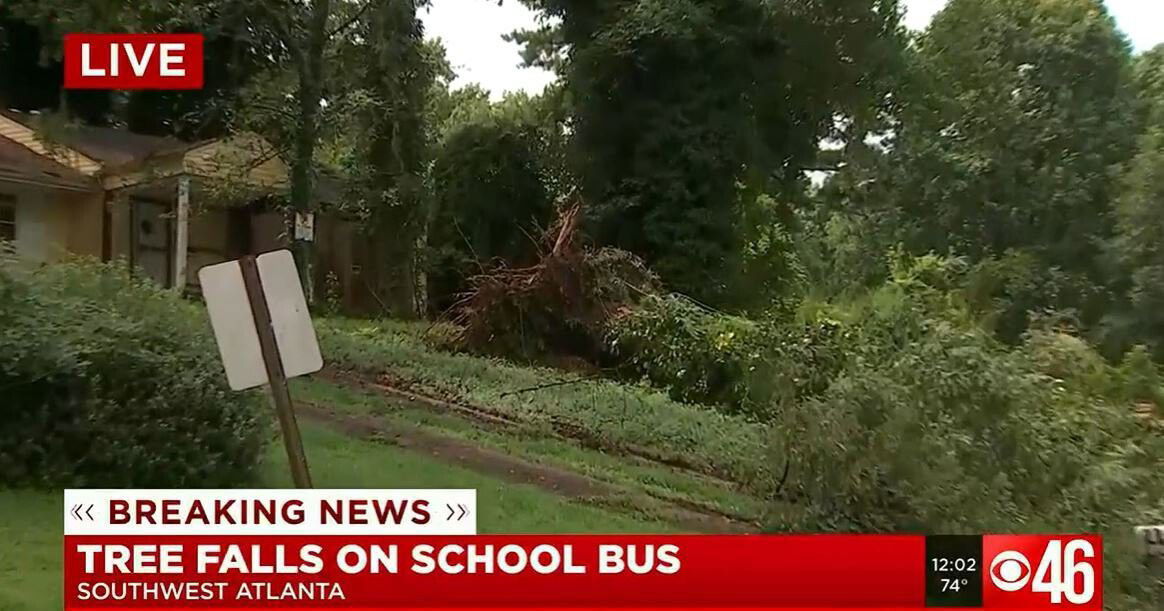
(735, 364)
(1137, 249)
(111, 382)
(492, 183)
(925, 267)
(1033, 110)
(1014, 146)
(934, 425)
(684, 111)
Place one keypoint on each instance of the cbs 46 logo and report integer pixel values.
(1044, 571)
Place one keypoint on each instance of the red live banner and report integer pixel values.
(133, 61)
(534, 571)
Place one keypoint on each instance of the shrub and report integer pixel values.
(952, 432)
(696, 356)
(1072, 361)
(110, 381)
(1141, 377)
(489, 184)
(1075, 363)
(740, 365)
(764, 273)
(1005, 290)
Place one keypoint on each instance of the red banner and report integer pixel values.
(750, 571)
(133, 61)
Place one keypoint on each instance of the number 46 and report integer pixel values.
(1058, 570)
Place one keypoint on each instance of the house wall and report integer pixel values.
(51, 223)
(334, 277)
(209, 231)
(336, 258)
(120, 235)
(208, 234)
(86, 222)
(268, 232)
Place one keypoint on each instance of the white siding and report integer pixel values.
(41, 223)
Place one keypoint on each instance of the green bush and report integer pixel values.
(1073, 362)
(1140, 377)
(1005, 291)
(950, 431)
(109, 381)
(740, 365)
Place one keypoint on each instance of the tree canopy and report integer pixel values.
(684, 111)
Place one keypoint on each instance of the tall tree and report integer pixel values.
(307, 52)
(1138, 246)
(494, 180)
(398, 74)
(1013, 117)
(1018, 113)
(685, 110)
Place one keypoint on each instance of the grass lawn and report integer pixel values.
(618, 415)
(30, 522)
(533, 445)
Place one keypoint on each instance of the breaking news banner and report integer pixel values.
(375, 549)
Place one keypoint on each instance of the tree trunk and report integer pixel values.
(420, 270)
(399, 78)
(395, 271)
(310, 69)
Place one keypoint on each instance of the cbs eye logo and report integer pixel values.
(1065, 572)
(1010, 571)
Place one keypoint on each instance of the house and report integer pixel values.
(164, 206)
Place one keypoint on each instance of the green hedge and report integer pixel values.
(733, 363)
(109, 381)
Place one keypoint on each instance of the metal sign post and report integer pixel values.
(277, 379)
(264, 334)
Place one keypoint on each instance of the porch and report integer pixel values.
(168, 227)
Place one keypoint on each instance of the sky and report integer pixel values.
(472, 31)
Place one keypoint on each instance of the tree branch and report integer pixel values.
(286, 113)
(351, 20)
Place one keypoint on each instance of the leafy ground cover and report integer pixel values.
(634, 475)
(607, 414)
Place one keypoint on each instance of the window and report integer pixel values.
(7, 217)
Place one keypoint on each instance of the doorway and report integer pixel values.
(152, 239)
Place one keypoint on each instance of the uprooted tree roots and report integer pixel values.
(560, 306)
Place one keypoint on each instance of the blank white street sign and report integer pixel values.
(234, 324)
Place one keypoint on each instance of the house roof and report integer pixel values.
(126, 159)
(108, 145)
(19, 163)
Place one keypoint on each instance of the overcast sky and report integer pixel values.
(472, 30)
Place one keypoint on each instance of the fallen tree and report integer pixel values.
(561, 305)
